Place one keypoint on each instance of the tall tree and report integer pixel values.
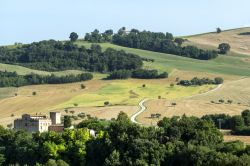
(73, 36)
(67, 121)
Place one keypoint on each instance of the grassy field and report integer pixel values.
(130, 92)
(24, 70)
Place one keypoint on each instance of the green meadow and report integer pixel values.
(130, 92)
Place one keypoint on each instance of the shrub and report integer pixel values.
(83, 86)
(106, 103)
(224, 48)
(221, 101)
(218, 80)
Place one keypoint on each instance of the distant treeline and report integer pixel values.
(55, 56)
(11, 79)
(203, 81)
(239, 124)
(159, 42)
(139, 73)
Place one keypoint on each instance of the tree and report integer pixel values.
(246, 116)
(73, 36)
(224, 48)
(34, 93)
(67, 122)
(113, 159)
(236, 122)
(179, 41)
(218, 30)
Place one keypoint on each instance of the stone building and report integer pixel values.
(38, 122)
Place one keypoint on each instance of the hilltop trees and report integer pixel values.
(218, 30)
(224, 48)
(160, 42)
(55, 55)
(73, 36)
(179, 41)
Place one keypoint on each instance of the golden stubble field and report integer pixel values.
(238, 43)
(198, 105)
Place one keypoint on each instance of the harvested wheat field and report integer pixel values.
(239, 43)
(201, 104)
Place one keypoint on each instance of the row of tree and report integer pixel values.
(159, 42)
(12, 79)
(139, 73)
(176, 141)
(239, 124)
(200, 81)
(55, 55)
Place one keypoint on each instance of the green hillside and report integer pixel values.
(233, 64)
(230, 65)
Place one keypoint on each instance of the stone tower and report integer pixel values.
(55, 117)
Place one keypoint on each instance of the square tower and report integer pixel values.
(55, 117)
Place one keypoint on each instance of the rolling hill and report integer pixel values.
(125, 94)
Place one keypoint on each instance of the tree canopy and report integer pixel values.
(55, 56)
(176, 141)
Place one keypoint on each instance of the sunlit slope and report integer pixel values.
(230, 65)
(239, 43)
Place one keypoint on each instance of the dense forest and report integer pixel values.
(159, 42)
(11, 79)
(239, 124)
(55, 55)
(200, 81)
(176, 141)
